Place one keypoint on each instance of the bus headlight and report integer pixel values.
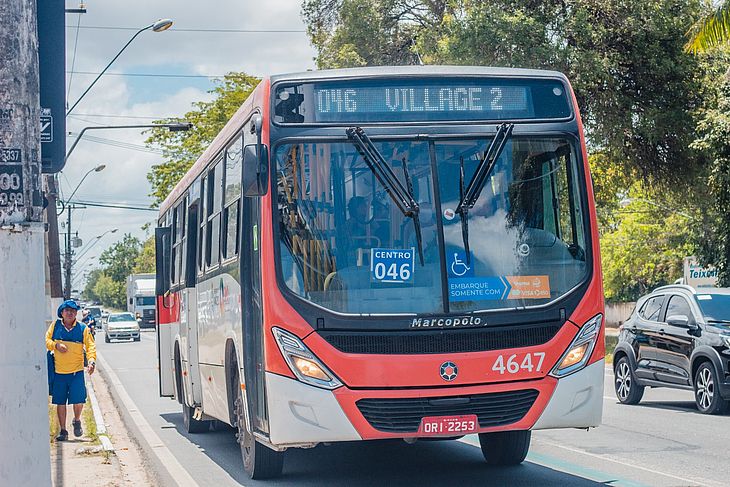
(302, 362)
(580, 349)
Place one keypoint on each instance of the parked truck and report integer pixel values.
(141, 298)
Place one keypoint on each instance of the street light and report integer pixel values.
(94, 242)
(159, 26)
(98, 168)
(172, 127)
(69, 251)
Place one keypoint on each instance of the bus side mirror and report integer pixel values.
(162, 260)
(255, 170)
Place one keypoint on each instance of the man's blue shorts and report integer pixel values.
(69, 388)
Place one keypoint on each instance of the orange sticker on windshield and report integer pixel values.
(529, 287)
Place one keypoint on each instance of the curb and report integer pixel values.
(106, 443)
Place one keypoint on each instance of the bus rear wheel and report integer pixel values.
(259, 461)
(505, 447)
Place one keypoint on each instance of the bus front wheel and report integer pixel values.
(505, 447)
(259, 461)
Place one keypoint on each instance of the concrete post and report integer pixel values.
(24, 445)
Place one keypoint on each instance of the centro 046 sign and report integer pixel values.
(11, 185)
(391, 265)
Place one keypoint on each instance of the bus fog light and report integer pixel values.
(580, 349)
(310, 369)
(302, 362)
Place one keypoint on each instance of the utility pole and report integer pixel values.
(67, 260)
(23, 380)
(54, 264)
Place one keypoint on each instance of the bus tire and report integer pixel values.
(259, 461)
(505, 447)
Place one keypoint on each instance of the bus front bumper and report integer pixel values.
(302, 415)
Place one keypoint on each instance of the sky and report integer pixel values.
(200, 45)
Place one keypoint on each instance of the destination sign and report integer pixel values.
(422, 99)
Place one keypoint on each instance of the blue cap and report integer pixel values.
(69, 303)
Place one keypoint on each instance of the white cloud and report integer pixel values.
(124, 180)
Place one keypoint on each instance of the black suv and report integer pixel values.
(679, 337)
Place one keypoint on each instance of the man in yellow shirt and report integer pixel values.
(68, 340)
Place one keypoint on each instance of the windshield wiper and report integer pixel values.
(470, 194)
(401, 195)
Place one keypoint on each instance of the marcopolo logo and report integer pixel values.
(448, 371)
(455, 322)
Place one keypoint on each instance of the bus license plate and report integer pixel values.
(449, 425)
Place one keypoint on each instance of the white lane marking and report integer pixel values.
(164, 455)
(626, 464)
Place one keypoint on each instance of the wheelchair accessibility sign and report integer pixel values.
(457, 266)
(392, 265)
(465, 286)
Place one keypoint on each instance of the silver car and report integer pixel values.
(121, 325)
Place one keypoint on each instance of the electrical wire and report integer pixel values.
(73, 58)
(111, 205)
(76, 115)
(219, 31)
(150, 75)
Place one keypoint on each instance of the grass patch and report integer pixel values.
(87, 421)
(611, 342)
(52, 421)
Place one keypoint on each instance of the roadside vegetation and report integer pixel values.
(651, 78)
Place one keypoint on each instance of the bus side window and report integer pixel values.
(212, 232)
(232, 195)
(201, 223)
(175, 233)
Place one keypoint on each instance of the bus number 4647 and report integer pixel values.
(516, 362)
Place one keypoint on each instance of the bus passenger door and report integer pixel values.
(165, 366)
(253, 340)
(189, 312)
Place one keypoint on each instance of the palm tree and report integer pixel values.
(711, 30)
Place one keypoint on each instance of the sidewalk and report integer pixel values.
(82, 461)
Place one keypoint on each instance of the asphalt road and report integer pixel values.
(663, 441)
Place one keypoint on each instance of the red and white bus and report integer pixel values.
(381, 253)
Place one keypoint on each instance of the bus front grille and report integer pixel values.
(440, 341)
(403, 415)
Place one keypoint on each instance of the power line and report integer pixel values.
(111, 205)
(77, 115)
(151, 75)
(221, 31)
(73, 59)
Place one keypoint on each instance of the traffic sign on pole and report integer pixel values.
(52, 62)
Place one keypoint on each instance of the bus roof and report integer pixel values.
(417, 71)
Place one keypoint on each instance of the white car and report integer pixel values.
(121, 325)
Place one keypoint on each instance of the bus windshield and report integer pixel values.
(346, 246)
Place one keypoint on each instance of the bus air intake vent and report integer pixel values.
(440, 341)
(404, 415)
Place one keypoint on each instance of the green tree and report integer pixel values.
(636, 86)
(88, 292)
(712, 228)
(110, 292)
(712, 30)
(119, 259)
(145, 262)
(181, 149)
(645, 250)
